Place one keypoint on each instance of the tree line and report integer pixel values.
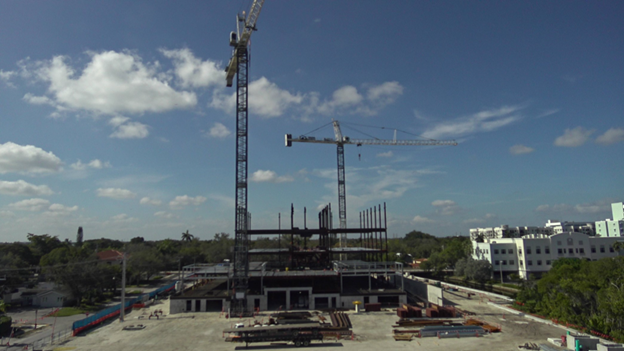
(76, 266)
(589, 294)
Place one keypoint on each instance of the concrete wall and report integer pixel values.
(611, 347)
(587, 342)
(179, 305)
(422, 290)
(435, 295)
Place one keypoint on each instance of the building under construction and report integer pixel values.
(308, 270)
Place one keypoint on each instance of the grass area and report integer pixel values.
(507, 285)
(70, 311)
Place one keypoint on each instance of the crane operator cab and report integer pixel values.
(233, 39)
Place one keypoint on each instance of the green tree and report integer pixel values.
(145, 261)
(187, 236)
(478, 270)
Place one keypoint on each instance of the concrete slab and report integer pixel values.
(373, 331)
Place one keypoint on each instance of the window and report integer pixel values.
(520, 251)
(576, 250)
(529, 263)
(602, 248)
(511, 262)
(510, 251)
(496, 263)
(560, 251)
(538, 250)
(503, 251)
(582, 250)
(504, 263)
(547, 249)
(496, 251)
(528, 249)
(539, 262)
(611, 249)
(593, 249)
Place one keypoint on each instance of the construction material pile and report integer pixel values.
(484, 325)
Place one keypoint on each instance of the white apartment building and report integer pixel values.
(558, 227)
(535, 253)
(504, 231)
(612, 227)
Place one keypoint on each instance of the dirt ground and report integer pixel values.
(373, 331)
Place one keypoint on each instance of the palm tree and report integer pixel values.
(618, 246)
(187, 236)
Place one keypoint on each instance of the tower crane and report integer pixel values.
(239, 65)
(340, 141)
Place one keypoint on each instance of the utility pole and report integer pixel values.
(123, 289)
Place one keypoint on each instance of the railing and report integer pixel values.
(111, 312)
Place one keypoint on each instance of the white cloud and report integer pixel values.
(118, 120)
(6, 75)
(385, 93)
(226, 201)
(185, 200)
(27, 159)
(115, 193)
(419, 219)
(150, 202)
(268, 100)
(446, 207)
(130, 130)
(343, 97)
(573, 137)
(483, 121)
(520, 150)
(123, 218)
(163, 214)
(596, 207)
(6, 214)
(260, 176)
(37, 100)
(611, 136)
(548, 113)
(219, 131)
(193, 72)
(111, 83)
(60, 210)
(385, 154)
(438, 203)
(23, 188)
(368, 186)
(32, 205)
(95, 164)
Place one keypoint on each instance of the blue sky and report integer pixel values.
(114, 115)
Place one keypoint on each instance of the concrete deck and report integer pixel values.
(373, 331)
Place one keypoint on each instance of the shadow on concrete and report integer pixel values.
(286, 346)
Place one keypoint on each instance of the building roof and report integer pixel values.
(110, 255)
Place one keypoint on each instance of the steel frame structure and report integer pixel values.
(241, 241)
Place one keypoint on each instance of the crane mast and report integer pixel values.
(239, 66)
(340, 141)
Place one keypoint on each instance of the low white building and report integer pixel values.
(535, 253)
